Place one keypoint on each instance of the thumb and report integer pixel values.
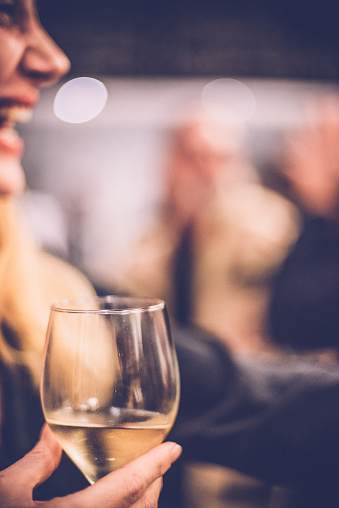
(18, 481)
(44, 458)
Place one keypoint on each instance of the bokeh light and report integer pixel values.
(229, 101)
(80, 100)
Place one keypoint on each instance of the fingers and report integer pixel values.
(18, 481)
(132, 481)
(46, 455)
(38, 465)
(135, 478)
(151, 496)
(130, 486)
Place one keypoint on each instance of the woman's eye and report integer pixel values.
(7, 9)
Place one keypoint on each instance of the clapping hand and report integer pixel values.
(312, 159)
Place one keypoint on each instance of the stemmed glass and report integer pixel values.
(110, 380)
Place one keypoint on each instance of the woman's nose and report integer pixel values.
(43, 61)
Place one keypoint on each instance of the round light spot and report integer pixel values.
(229, 101)
(80, 100)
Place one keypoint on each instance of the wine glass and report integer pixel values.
(110, 380)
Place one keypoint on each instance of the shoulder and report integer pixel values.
(63, 280)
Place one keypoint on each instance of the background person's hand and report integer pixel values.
(312, 159)
(137, 484)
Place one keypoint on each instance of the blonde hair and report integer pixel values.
(31, 281)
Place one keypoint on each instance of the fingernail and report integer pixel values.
(176, 451)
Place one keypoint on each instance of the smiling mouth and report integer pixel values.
(10, 115)
(10, 142)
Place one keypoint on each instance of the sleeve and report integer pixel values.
(274, 420)
(303, 312)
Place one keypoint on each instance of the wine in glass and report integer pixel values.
(110, 380)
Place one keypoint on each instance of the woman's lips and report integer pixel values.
(27, 101)
(10, 142)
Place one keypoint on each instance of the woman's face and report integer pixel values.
(29, 60)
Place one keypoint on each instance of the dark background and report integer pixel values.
(188, 38)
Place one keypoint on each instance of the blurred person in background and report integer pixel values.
(219, 236)
(303, 313)
(278, 421)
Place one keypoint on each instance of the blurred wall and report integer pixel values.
(194, 38)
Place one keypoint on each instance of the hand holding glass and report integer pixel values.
(110, 380)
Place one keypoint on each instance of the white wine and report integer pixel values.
(97, 446)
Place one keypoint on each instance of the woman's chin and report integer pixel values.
(12, 177)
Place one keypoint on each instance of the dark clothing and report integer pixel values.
(304, 311)
(183, 268)
(278, 421)
(22, 420)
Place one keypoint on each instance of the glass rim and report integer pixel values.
(124, 304)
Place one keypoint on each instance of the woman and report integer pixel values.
(278, 421)
(30, 281)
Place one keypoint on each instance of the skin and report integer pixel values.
(311, 159)
(30, 60)
(138, 484)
